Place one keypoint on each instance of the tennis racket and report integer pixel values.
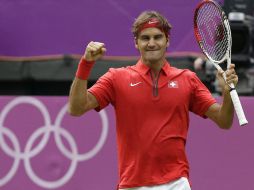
(213, 34)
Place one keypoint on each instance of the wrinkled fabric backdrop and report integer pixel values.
(29, 28)
(43, 147)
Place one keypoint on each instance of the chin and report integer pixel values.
(153, 58)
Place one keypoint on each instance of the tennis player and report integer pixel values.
(152, 101)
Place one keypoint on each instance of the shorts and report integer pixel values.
(179, 184)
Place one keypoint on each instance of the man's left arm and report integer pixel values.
(223, 114)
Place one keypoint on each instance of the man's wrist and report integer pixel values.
(84, 69)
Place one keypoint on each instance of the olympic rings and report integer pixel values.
(45, 132)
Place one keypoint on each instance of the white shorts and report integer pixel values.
(179, 184)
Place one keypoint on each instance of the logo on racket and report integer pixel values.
(212, 25)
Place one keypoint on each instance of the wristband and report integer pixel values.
(84, 69)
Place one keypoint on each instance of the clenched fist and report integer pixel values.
(94, 51)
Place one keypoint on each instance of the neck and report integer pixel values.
(154, 65)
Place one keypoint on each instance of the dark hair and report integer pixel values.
(145, 17)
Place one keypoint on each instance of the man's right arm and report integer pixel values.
(80, 100)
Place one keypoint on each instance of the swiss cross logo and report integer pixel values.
(173, 84)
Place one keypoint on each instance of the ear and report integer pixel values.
(136, 43)
(168, 41)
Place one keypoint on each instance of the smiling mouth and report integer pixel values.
(153, 50)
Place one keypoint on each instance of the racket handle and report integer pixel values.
(238, 107)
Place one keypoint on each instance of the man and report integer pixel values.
(152, 101)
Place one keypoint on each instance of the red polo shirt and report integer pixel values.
(152, 118)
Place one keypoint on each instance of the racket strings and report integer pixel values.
(212, 31)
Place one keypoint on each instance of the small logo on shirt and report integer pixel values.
(135, 84)
(173, 84)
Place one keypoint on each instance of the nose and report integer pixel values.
(151, 43)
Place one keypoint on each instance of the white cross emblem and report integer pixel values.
(173, 84)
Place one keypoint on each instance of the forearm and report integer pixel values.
(224, 116)
(80, 100)
(78, 97)
(226, 113)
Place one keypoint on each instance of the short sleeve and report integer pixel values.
(201, 98)
(103, 90)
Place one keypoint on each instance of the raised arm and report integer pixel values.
(223, 114)
(80, 100)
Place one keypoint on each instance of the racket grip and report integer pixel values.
(238, 107)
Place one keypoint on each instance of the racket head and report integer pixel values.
(212, 31)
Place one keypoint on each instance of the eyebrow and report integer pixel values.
(147, 35)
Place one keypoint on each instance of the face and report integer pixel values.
(152, 44)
